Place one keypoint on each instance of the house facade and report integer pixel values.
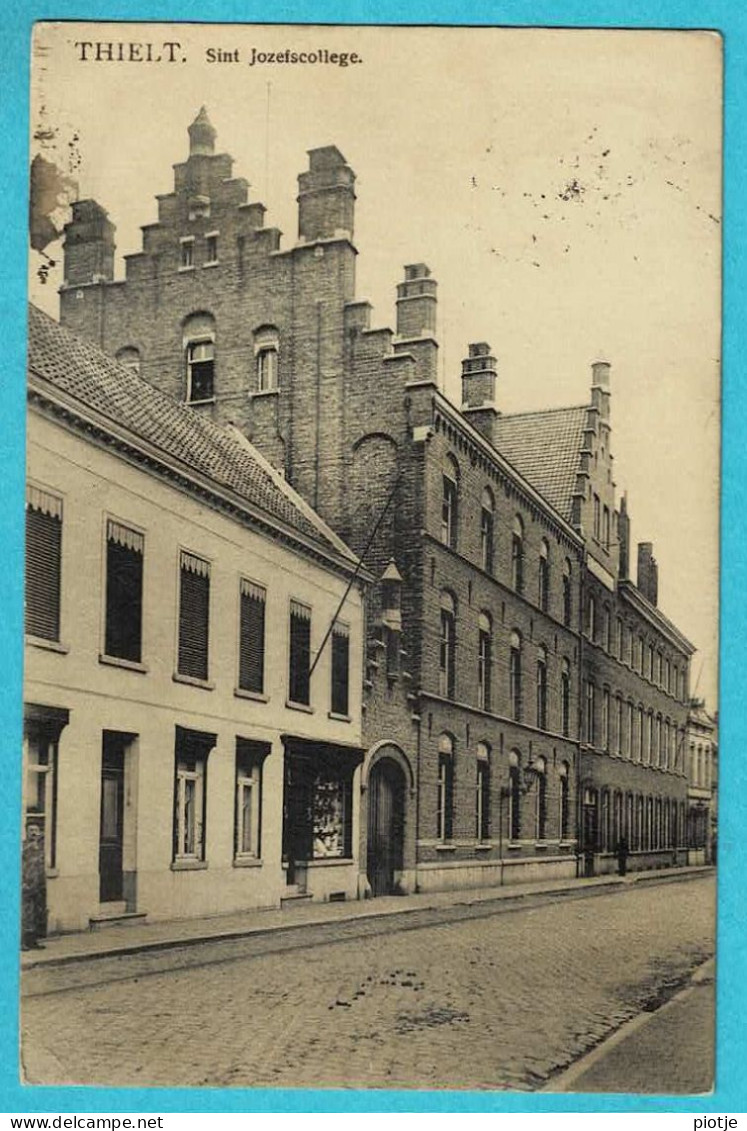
(702, 783)
(485, 533)
(192, 703)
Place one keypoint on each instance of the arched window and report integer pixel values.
(542, 688)
(639, 655)
(619, 727)
(449, 502)
(620, 639)
(445, 799)
(485, 662)
(652, 751)
(607, 628)
(628, 749)
(565, 811)
(514, 795)
(658, 742)
(565, 698)
(629, 824)
(487, 530)
(199, 353)
(592, 618)
(651, 662)
(482, 793)
(517, 555)
(447, 648)
(544, 576)
(267, 357)
(605, 832)
(129, 357)
(669, 676)
(567, 598)
(541, 811)
(514, 676)
(665, 750)
(639, 734)
(617, 819)
(606, 718)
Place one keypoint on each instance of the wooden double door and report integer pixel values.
(386, 826)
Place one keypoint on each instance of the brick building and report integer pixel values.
(478, 527)
(702, 783)
(179, 756)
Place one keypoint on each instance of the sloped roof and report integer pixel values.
(544, 447)
(79, 369)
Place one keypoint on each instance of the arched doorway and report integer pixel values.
(386, 818)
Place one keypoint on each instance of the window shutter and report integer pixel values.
(252, 637)
(124, 592)
(194, 612)
(300, 652)
(43, 563)
(340, 669)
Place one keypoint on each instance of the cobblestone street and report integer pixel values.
(498, 1000)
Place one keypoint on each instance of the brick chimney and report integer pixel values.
(89, 245)
(416, 320)
(326, 197)
(648, 572)
(478, 389)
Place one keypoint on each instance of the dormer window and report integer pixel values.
(186, 253)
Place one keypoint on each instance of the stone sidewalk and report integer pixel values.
(122, 940)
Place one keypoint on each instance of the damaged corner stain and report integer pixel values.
(50, 194)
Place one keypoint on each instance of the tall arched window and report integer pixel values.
(606, 718)
(542, 687)
(639, 734)
(607, 629)
(544, 576)
(447, 647)
(517, 555)
(487, 530)
(541, 811)
(267, 358)
(514, 676)
(449, 502)
(659, 742)
(565, 811)
(514, 795)
(445, 798)
(591, 711)
(484, 662)
(199, 353)
(619, 725)
(665, 751)
(482, 793)
(628, 748)
(592, 618)
(565, 698)
(567, 597)
(652, 752)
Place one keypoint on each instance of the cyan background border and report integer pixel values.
(725, 16)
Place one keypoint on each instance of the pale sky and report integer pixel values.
(564, 187)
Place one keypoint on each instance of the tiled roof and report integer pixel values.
(544, 447)
(79, 369)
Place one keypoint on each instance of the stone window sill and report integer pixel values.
(193, 681)
(305, 707)
(445, 847)
(255, 696)
(264, 393)
(331, 862)
(119, 662)
(47, 645)
(339, 718)
(188, 865)
(483, 846)
(247, 862)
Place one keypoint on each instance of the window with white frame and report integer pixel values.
(40, 788)
(200, 372)
(186, 253)
(340, 668)
(565, 809)
(247, 817)
(211, 247)
(191, 757)
(43, 563)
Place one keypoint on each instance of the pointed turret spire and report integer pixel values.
(202, 135)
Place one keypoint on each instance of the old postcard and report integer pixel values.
(370, 705)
